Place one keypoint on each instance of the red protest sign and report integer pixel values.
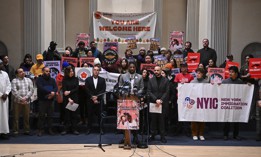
(254, 67)
(228, 65)
(193, 60)
(71, 60)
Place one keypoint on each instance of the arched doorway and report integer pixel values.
(252, 48)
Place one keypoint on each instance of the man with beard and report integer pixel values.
(27, 65)
(158, 90)
(46, 89)
(136, 87)
(96, 53)
(51, 54)
(5, 88)
(8, 68)
(207, 53)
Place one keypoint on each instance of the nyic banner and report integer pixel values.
(117, 27)
(202, 102)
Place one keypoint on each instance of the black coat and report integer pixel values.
(90, 89)
(72, 85)
(160, 91)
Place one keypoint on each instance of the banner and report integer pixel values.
(216, 75)
(111, 79)
(193, 60)
(228, 65)
(204, 102)
(82, 74)
(255, 67)
(54, 66)
(82, 37)
(88, 60)
(116, 27)
(71, 60)
(127, 115)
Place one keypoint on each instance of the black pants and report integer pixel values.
(82, 103)
(93, 109)
(157, 124)
(45, 107)
(227, 128)
(71, 119)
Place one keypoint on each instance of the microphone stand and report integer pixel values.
(143, 144)
(100, 145)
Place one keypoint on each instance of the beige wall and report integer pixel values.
(11, 28)
(244, 25)
(76, 20)
(174, 18)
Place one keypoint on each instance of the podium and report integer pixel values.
(127, 118)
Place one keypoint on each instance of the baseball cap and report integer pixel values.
(39, 56)
(163, 49)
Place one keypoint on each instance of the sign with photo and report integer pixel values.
(54, 66)
(127, 115)
(216, 75)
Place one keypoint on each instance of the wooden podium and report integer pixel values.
(127, 132)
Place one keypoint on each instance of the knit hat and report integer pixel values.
(163, 49)
(65, 64)
(97, 61)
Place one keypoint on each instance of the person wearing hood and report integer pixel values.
(51, 54)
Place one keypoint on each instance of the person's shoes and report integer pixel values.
(28, 133)
(4, 137)
(195, 138)
(127, 147)
(64, 133)
(151, 138)
(76, 132)
(88, 131)
(15, 133)
(202, 138)
(163, 140)
(225, 138)
(135, 140)
(237, 138)
(50, 131)
(40, 133)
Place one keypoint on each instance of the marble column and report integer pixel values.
(32, 27)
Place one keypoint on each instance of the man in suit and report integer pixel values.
(94, 86)
(158, 90)
(136, 87)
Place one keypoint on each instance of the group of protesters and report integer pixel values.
(19, 85)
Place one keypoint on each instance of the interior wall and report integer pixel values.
(76, 20)
(244, 25)
(174, 18)
(11, 29)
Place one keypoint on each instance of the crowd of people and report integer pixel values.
(18, 85)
